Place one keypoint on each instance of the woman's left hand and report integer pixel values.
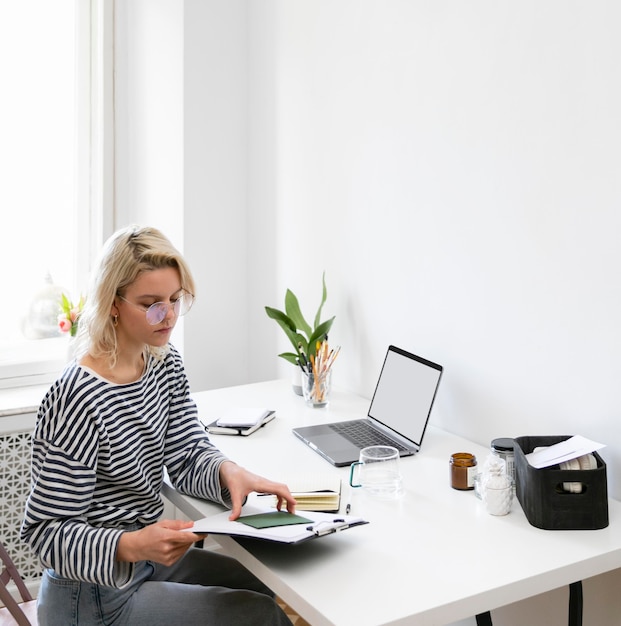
(240, 482)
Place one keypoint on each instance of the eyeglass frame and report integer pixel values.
(159, 305)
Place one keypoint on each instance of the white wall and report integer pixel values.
(149, 122)
(149, 115)
(452, 166)
(215, 184)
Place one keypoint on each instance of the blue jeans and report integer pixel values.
(203, 587)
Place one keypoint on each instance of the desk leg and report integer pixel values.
(484, 619)
(575, 608)
(575, 604)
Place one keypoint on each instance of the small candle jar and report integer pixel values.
(503, 449)
(498, 493)
(462, 469)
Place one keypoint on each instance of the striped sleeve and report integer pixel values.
(192, 461)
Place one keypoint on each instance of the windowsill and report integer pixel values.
(31, 363)
(21, 400)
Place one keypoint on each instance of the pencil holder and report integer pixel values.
(316, 389)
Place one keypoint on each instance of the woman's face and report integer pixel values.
(161, 285)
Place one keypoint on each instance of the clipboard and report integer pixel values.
(315, 525)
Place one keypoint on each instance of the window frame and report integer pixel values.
(39, 362)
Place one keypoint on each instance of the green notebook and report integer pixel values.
(272, 519)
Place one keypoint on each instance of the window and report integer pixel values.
(54, 123)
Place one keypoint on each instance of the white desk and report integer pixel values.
(433, 557)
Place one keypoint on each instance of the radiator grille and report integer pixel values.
(14, 489)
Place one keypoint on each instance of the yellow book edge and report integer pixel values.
(314, 493)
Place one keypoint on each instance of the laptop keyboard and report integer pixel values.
(363, 435)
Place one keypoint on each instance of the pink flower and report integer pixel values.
(69, 315)
(64, 324)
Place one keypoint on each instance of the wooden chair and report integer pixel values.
(23, 613)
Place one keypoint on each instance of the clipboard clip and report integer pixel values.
(325, 527)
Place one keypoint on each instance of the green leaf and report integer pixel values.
(281, 318)
(288, 327)
(292, 307)
(289, 356)
(319, 335)
(324, 296)
(65, 304)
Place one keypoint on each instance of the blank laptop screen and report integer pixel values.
(404, 394)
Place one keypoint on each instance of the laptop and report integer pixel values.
(398, 414)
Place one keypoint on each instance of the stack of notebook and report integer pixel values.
(319, 492)
(240, 421)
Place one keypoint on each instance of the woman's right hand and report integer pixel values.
(162, 542)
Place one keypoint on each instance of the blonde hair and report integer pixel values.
(128, 253)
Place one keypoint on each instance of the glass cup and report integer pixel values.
(378, 472)
(316, 390)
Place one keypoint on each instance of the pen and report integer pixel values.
(303, 360)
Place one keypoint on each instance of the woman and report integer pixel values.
(118, 415)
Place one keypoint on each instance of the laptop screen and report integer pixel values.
(405, 393)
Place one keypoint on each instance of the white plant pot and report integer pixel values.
(296, 381)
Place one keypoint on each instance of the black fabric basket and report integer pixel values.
(544, 501)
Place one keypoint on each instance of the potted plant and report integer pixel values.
(303, 337)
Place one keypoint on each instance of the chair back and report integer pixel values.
(9, 573)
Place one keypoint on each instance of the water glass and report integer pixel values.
(378, 472)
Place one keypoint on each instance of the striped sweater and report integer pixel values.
(98, 456)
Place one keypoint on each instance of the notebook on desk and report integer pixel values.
(398, 414)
